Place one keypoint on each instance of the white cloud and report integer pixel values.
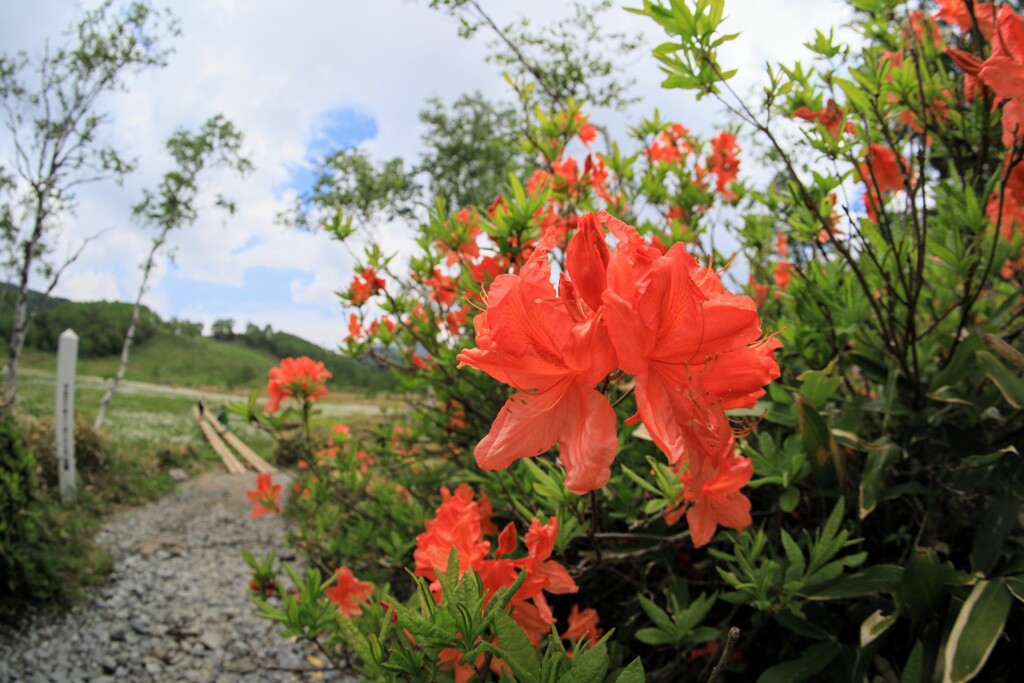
(89, 285)
(321, 289)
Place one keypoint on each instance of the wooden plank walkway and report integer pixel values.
(219, 447)
(257, 463)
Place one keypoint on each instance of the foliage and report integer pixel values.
(26, 572)
(471, 148)
(348, 179)
(572, 59)
(882, 537)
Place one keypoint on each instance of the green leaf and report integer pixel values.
(657, 615)
(640, 481)
(814, 659)
(655, 636)
(913, 670)
(516, 649)
(975, 631)
(819, 386)
(789, 499)
(882, 578)
(924, 581)
(1007, 381)
(589, 666)
(801, 626)
(820, 445)
(555, 661)
(354, 639)
(875, 625)
(634, 673)
(797, 564)
(1015, 585)
(878, 463)
(997, 521)
(854, 94)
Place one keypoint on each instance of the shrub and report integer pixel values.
(90, 449)
(25, 573)
(859, 518)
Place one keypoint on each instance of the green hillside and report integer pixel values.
(181, 361)
(173, 352)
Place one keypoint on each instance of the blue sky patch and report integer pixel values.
(334, 129)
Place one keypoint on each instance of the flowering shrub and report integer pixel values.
(301, 379)
(694, 350)
(850, 479)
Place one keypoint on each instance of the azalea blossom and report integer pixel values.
(266, 497)
(303, 379)
(831, 118)
(365, 285)
(553, 354)
(349, 592)
(724, 162)
(694, 349)
(583, 625)
(461, 523)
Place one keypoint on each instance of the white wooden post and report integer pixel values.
(67, 357)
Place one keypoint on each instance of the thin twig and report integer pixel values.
(730, 641)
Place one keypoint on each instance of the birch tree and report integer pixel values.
(52, 106)
(174, 204)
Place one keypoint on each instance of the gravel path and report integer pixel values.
(175, 607)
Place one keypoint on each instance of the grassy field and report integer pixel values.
(147, 415)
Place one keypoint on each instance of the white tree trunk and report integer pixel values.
(129, 336)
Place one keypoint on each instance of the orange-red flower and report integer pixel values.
(462, 243)
(303, 379)
(671, 146)
(715, 497)
(583, 625)
(553, 354)
(365, 285)
(724, 162)
(266, 497)
(348, 592)
(462, 522)
(695, 351)
(692, 346)
(955, 12)
(882, 172)
(831, 118)
(459, 523)
(783, 271)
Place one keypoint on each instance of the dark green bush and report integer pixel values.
(29, 567)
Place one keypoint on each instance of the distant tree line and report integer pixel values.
(100, 325)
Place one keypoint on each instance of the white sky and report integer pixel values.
(276, 69)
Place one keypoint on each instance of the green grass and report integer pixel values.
(140, 418)
(197, 362)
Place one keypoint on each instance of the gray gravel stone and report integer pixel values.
(175, 607)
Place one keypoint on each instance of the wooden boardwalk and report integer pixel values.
(217, 434)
